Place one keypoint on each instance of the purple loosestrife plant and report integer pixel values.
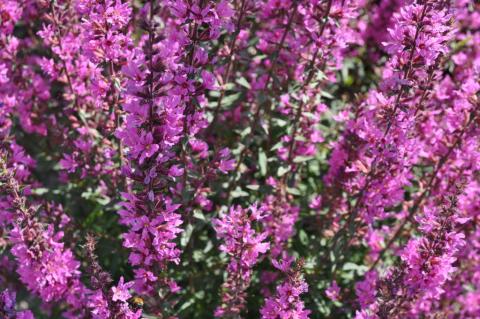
(44, 265)
(149, 133)
(427, 263)
(244, 246)
(380, 144)
(166, 81)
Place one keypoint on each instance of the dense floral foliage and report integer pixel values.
(276, 159)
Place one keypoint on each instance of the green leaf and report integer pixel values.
(282, 170)
(301, 159)
(360, 269)
(245, 131)
(280, 122)
(303, 237)
(230, 99)
(199, 215)
(214, 94)
(293, 191)
(208, 247)
(238, 192)
(262, 162)
(186, 234)
(198, 255)
(243, 82)
(185, 305)
(229, 86)
(327, 95)
(39, 191)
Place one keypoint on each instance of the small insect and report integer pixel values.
(136, 302)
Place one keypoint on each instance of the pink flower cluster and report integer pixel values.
(166, 77)
(114, 304)
(409, 289)
(286, 303)
(244, 246)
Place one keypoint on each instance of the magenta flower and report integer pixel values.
(120, 292)
(333, 291)
(146, 148)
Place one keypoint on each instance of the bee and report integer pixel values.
(136, 302)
